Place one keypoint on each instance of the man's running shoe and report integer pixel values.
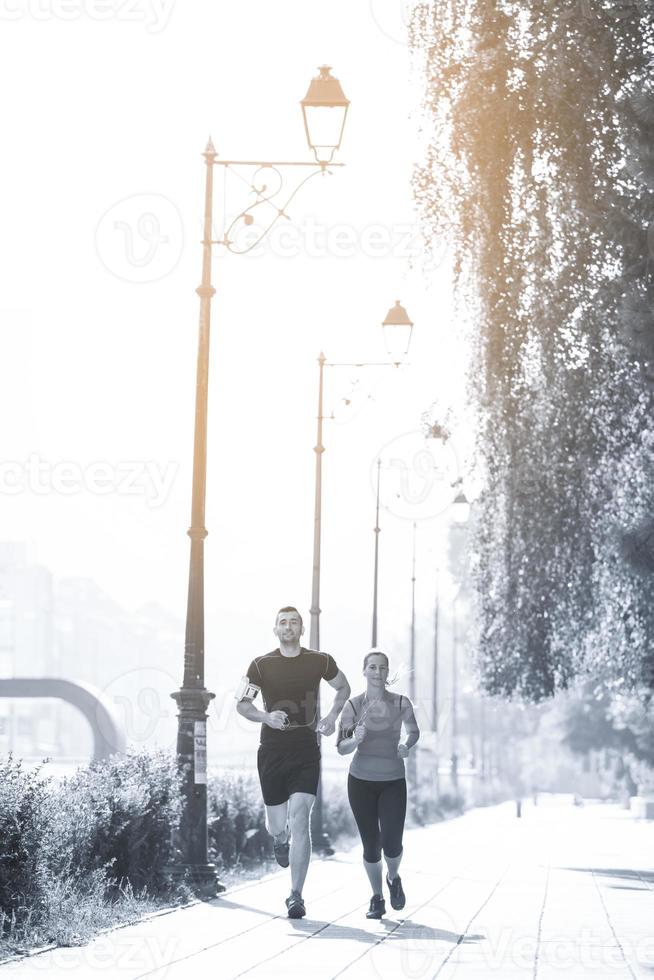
(377, 907)
(281, 851)
(295, 906)
(398, 898)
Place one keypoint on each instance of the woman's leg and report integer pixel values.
(392, 813)
(363, 800)
(375, 876)
(393, 865)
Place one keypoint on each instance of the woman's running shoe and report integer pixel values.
(295, 906)
(398, 898)
(377, 907)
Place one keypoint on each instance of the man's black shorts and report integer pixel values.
(287, 769)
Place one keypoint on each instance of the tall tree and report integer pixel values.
(538, 168)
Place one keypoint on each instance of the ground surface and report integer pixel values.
(563, 891)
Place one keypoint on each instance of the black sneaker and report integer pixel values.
(398, 898)
(377, 907)
(295, 906)
(281, 852)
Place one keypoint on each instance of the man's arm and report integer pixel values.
(274, 719)
(327, 724)
(250, 711)
(245, 695)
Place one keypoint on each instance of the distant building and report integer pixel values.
(70, 628)
(26, 649)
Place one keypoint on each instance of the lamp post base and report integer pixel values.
(202, 879)
(454, 772)
(322, 845)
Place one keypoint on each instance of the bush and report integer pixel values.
(236, 821)
(92, 851)
(237, 826)
(451, 803)
(337, 814)
(79, 856)
(121, 816)
(26, 816)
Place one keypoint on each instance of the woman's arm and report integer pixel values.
(412, 732)
(346, 743)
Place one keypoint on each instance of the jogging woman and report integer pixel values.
(371, 726)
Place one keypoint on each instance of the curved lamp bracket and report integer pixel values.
(266, 203)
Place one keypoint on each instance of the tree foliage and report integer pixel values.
(538, 167)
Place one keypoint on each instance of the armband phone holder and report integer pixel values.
(246, 690)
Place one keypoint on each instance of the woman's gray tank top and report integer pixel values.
(376, 757)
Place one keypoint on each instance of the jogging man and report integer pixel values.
(288, 759)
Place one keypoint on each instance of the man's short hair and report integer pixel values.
(289, 609)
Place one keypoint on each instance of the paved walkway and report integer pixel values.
(564, 891)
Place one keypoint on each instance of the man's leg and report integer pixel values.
(277, 819)
(299, 813)
(273, 787)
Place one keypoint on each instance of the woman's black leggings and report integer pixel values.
(379, 808)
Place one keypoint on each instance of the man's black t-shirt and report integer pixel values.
(291, 684)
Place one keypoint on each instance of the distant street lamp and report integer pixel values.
(461, 506)
(412, 769)
(461, 513)
(398, 329)
(320, 838)
(397, 332)
(377, 531)
(434, 694)
(324, 95)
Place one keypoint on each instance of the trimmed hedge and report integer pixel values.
(87, 852)
(237, 823)
(91, 851)
(120, 816)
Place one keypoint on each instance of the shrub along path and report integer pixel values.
(562, 891)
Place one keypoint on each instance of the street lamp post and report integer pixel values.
(319, 836)
(462, 511)
(434, 694)
(376, 569)
(324, 110)
(412, 771)
(314, 634)
(193, 698)
(454, 761)
(397, 330)
(482, 738)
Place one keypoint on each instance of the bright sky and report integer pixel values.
(107, 108)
